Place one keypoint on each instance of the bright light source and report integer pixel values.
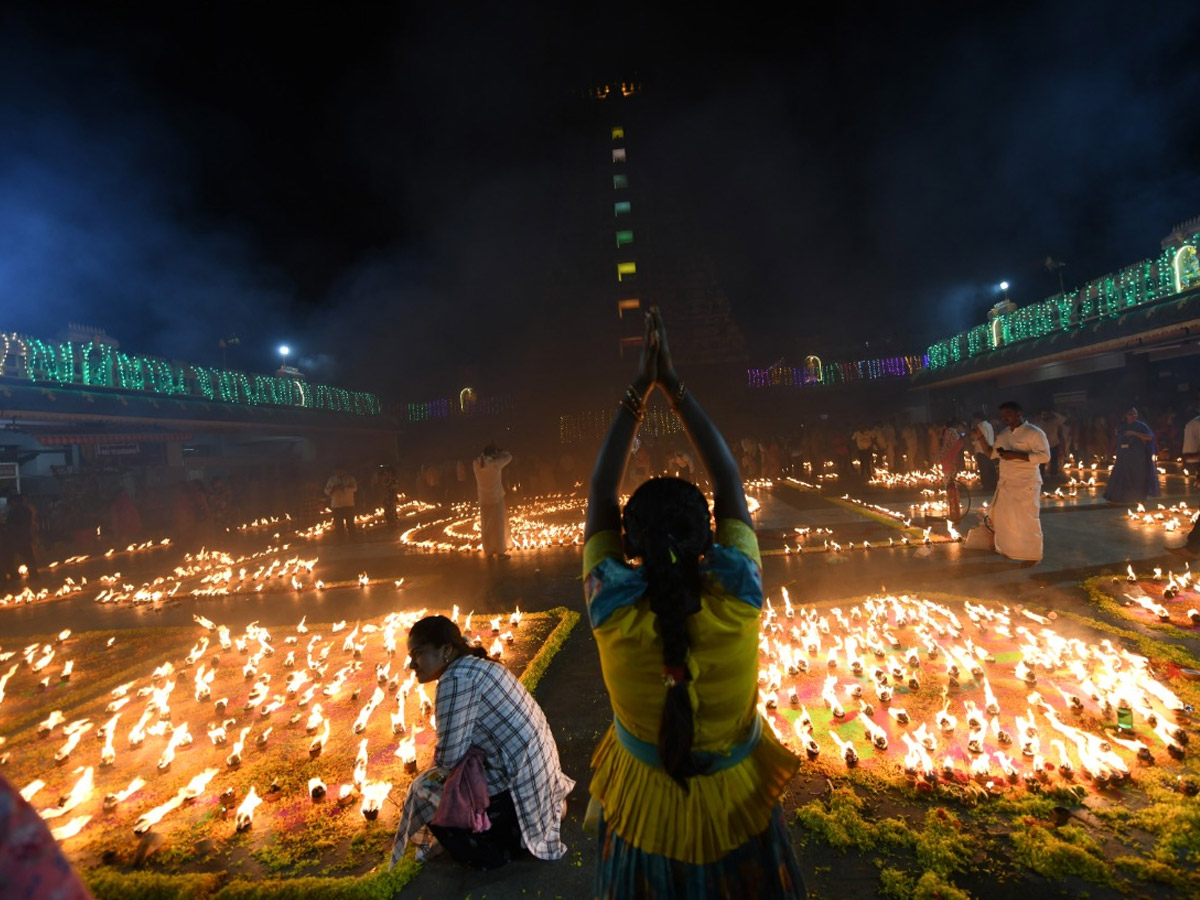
(1003, 287)
(284, 349)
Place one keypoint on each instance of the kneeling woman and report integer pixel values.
(483, 715)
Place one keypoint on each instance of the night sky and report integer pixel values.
(391, 188)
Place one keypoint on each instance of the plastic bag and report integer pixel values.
(980, 538)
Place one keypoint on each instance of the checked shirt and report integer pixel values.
(480, 703)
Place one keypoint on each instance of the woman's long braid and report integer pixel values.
(667, 524)
(673, 592)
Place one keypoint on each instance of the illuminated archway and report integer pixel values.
(813, 371)
(1187, 268)
(997, 332)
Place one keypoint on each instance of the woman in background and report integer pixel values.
(1134, 476)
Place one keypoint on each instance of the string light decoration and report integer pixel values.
(1136, 285)
(1187, 268)
(816, 374)
(623, 89)
(98, 365)
(593, 424)
(446, 407)
(812, 369)
(433, 409)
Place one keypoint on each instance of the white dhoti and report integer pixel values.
(1016, 519)
(1018, 500)
(493, 518)
(493, 527)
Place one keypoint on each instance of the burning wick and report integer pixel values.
(374, 793)
(245, 812)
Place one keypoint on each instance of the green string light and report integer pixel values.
(1143, 282)
(95, 365)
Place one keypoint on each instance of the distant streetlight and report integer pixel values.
(1004, 287)
(284, 350)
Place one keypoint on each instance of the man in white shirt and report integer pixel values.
(1016, 511)
(340, 489)
(1051, 423)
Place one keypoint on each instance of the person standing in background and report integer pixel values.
(864, 449)
(1134, 476)
(912, 455)
(1191, 451)
(20, 535)
(388, 486)
(982, 437)
(1016, 508)
(886, 438)
(1051, 424)
(340, 488)
(493, 517)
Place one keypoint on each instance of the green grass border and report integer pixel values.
(114, 884)
(536, 668)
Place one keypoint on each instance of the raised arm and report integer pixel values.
(729, 499)
(983, 439)
(604, 509)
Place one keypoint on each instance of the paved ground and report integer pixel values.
(1081, 540)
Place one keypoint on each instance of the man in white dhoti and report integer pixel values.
(1016, 507)
(493, 517)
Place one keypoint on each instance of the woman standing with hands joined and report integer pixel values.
(686, 782)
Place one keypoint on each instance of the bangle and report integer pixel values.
(630, 408)
(679, 393)
(635, 400)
